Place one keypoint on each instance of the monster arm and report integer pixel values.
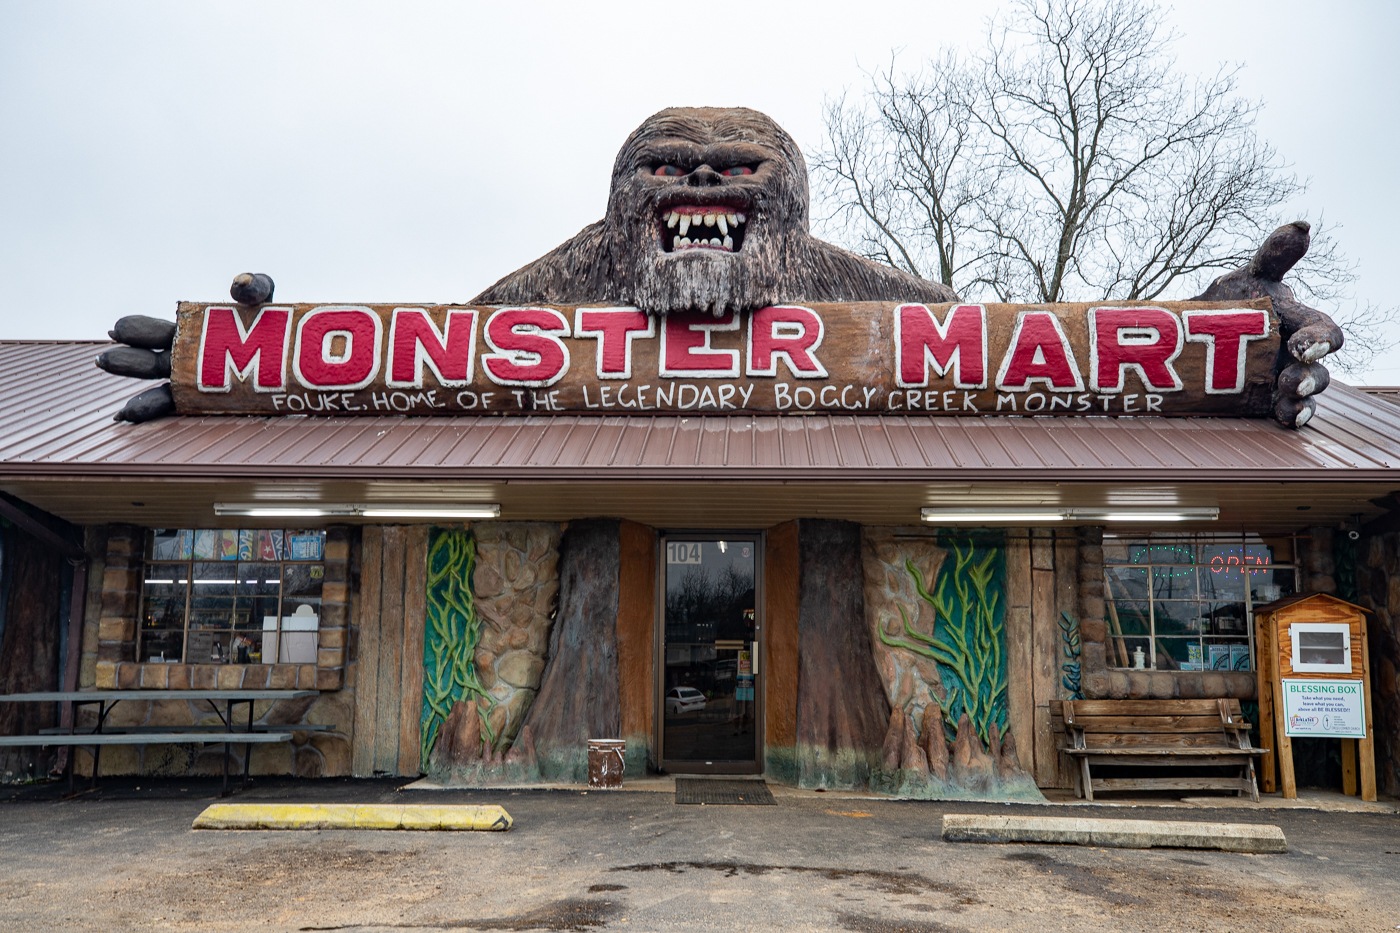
(1309, 334)
(145, 348)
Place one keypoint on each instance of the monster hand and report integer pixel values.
(145, 353)
(1308, 334)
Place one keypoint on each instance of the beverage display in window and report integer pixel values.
(1184, 603)
(232, 596)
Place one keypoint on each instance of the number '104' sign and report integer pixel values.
(862, 358)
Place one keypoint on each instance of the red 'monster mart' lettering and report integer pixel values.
(415, 342)
(1147, 340)
(528, 351)
(958, 342)
(615, 329)
(1039, 352)
(338, 348)
(260, 350)
(686, 350)
(786, 332)
(1226, 335)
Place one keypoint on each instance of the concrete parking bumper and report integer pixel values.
(1123, 834)
(353, 816)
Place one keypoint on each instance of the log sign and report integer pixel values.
(1174, 358)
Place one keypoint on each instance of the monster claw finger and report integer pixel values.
(148, 333)
(148, 406)
(252, 288)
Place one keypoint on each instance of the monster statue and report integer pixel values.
(708, 211)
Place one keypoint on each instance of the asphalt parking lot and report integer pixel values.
(124, 858)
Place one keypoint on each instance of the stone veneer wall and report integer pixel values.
(95, 539)
(1098, 681)
(321, 753)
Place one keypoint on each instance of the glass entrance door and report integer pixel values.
(709, 699)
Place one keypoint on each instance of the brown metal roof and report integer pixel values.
(56, 409)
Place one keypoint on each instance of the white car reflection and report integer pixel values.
(684, 700)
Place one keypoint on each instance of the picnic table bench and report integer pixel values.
(1157, 733)
(105, 700)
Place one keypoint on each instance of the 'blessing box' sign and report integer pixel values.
(1175, 358)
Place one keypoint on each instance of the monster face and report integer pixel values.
(705, 210)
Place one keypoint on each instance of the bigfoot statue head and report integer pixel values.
(708, 211)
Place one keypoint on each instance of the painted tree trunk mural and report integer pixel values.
(579, 697)
(490, 608)
(841, 706)
(935, 613)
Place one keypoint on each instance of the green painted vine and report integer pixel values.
(450, 636)
(1069, 635)
(968, 639)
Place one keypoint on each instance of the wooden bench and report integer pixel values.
(1157, 733)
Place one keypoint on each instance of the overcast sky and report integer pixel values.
(419, 151)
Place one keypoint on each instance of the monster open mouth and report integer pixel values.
(709, 227)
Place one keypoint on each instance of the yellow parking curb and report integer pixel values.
(352, 816)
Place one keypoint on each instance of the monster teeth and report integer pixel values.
(729, 243)
(685, 224)
(740, 218)
(733, 219)
(721, 221)
(709, 220)
(671, 219)
(675, 242)
(682, 241)
(714, 241)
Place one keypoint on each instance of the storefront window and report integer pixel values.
(1184, 603)
(240, 596)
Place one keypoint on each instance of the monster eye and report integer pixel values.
(738, 170)
(668, 170)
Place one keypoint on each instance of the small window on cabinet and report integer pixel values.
(1184, 603)
(240, 596)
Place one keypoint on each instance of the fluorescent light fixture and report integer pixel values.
(282, 510)
(1144, 516)
(995, 515)
(491, 510)
(991, 515)
(376, 510)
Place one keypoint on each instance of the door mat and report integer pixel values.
(742, 793)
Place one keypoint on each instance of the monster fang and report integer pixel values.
(690, 226)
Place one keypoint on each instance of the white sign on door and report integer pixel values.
(1324, 709)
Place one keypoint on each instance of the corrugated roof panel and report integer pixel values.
(739, 445)
(685, 442)
(575, 448)
(822, 442)
(945, 447)
(556, 435)
(850, 445)
(794, 450)
(767, 441)
(622, 441)
(411, 439)
(875, 440)
(1053, 447)
(62, 424)
(520, 448)
(903, 446)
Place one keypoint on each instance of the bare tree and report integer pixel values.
(903, 176)
(1067, 160)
